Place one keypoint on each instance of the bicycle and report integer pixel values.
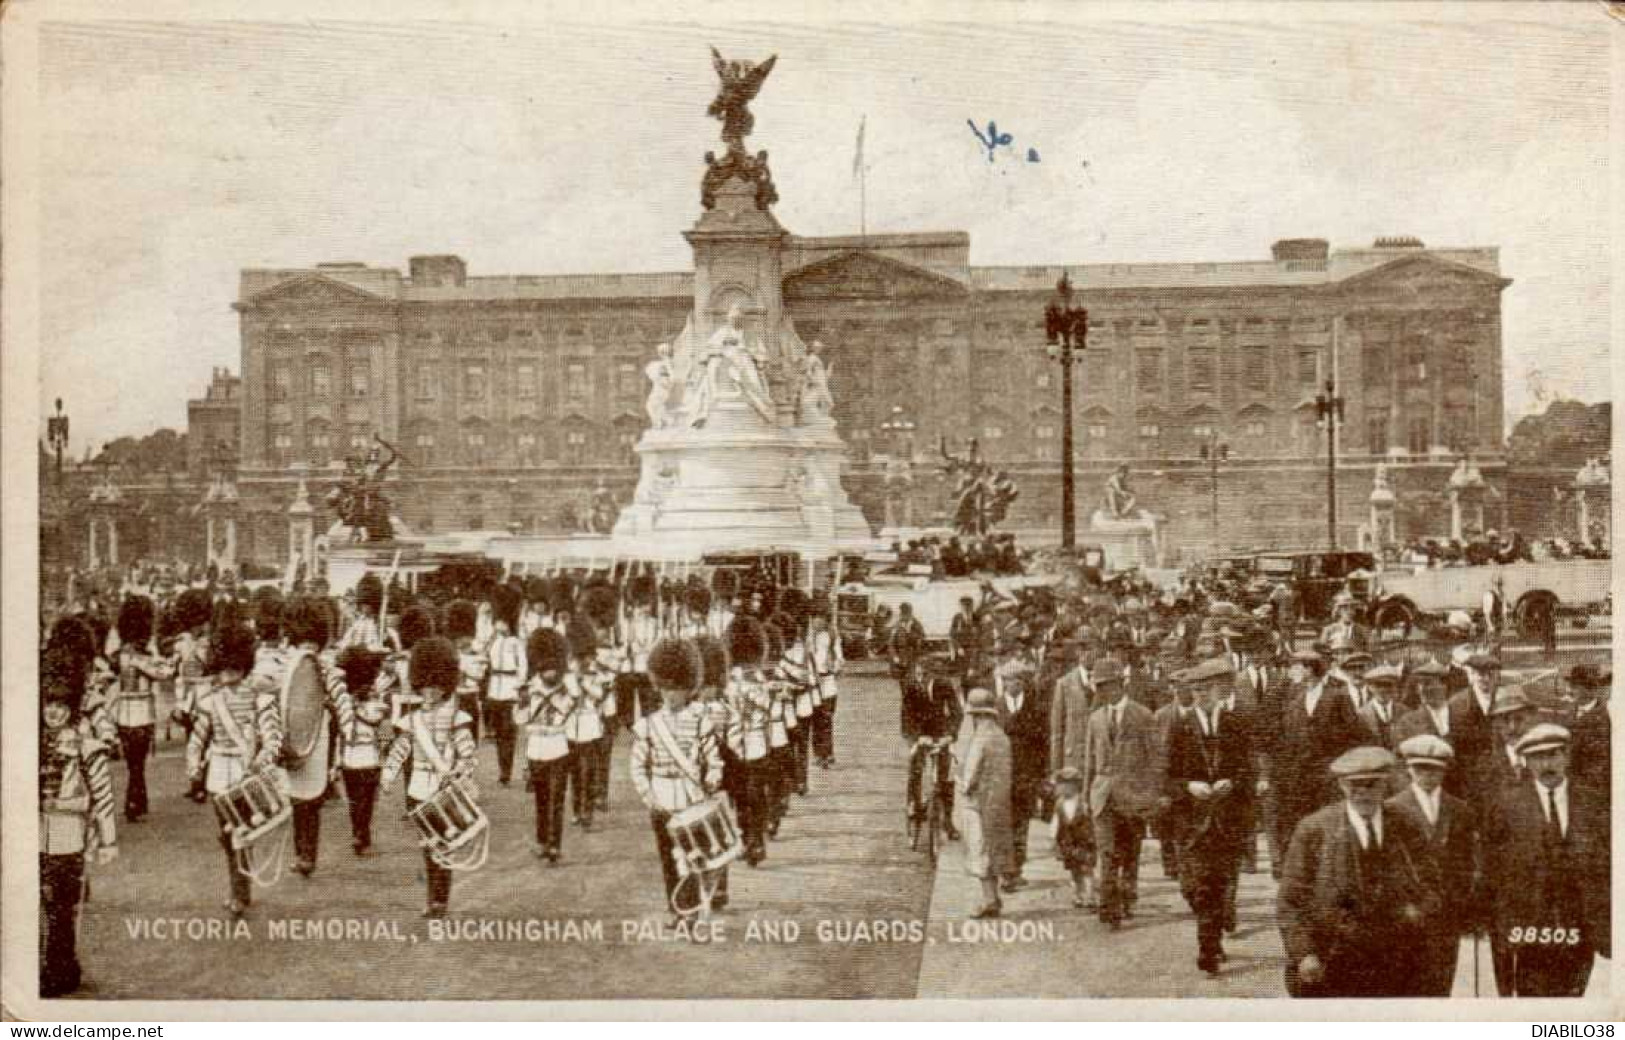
(929, 814)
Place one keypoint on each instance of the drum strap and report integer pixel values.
(668, 740)
(222, 714)
(426, 744)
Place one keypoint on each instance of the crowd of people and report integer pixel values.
(956, 557)
(1493, 547)
(1405, 796)
(727, 687)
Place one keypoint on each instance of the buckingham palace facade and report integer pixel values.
(512, 397)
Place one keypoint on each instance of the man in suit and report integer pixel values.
(1024, 713)
(1590, 750)
(1120, 775)
(1379, 713)
(1209, 775)
(1344, 630)
(1547, 874)
(1317, 725)
(1069, 713)
(1451, 832)
(1168, 823)
(1471, 735)
(1432, 713)
(1357, 891)
(1258, 695)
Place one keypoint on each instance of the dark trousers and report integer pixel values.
(242, 890)
(823, 731)
(800, 747)
(603, 752)
(62, 880)
(1435, 972)
(1023, 801)
(751, 801)
(503, 731)
(583, 764)
(361, 792)
(307, 830)
(1169, 827)
(547, 782)
(635, 697)
(1117, 839)
(135, 742)
(944, 781)
(663, 846)
(1557, 970)
(469, 703)
(783, 774)
(439, 877)
(1202, 881)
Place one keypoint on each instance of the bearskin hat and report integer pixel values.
(747, 642)
(600, 603)
(697, 598)
(582, 635)
(462, 618)
(675, 664)
(642, 590)
(361, 667)
(789, 630)
(417, 624)
(62, 677)
(98, 627)
(547, 651)
(135, 617)
(231, 648)
(724, 584)
(193, 609)
(308, 619)
(75, 637)
(434, 664)
(774, 636)
(535, 587)
(794, 604)
(770, 599)
(505, 603)
(369, 593)
(714, 662)
(561, 594)
(268, 607)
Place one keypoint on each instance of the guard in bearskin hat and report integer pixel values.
(76, 807)
(77, 636)
(135, 706)
(714, 670)
(795, 668)
(781, 731)
(237, 730)
(359, 759)
(437, 740)
(724, 589)
(542, 717)
(635, 693)
(676, 754)
(189, 616)
(749, 695)
(505, 676)
(462, 623)
(585, 728)
(600, 604)
(367, 627)
(309, 624)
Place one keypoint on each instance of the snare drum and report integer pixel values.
(453, 827)
(252, 809)
(705, 835)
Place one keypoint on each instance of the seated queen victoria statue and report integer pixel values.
(726, 363)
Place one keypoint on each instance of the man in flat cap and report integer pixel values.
(1547, 874)
(1318, 724)
(1510, 717)
(1210, 780)
(1121, 780)
(1344, 630)
(1590, 750)
(1471, 734)
(1450, 831)
(1358, 890)
(1379, 713)
(1425, 683)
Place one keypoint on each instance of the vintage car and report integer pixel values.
(1315, 576)
(1526, 593)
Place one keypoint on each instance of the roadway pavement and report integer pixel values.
(873, 920)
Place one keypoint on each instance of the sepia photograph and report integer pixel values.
(990, 502)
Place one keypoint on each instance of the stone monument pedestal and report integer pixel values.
(1127, 541)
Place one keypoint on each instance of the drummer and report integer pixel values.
(438, 741)
(676, 760)
(236, 731)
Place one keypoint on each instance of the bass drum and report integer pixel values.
(303, 702)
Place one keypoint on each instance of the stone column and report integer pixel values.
(301, 525)
(1382, 515)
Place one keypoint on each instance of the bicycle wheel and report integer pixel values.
(933, 829)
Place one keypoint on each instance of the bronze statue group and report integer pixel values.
(1408, 799)
(728, 687)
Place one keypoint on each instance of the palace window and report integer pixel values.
(281, 382)
(1202, 431)
(1418, 433)
(1044, 433)
(359, 440)
(1150, 431)
(1308, 365)
(1043, 380)
(1255, 428)
(1255, 367)
(626, 380)
(474, 382)
(424, 443)
(1148, 371)
(1376, 431)
(1200, 365)
(525, 382)
(992, 433)
(427, 380)
(321, 383)
(360, 384)
(575, 382)
(626, 439)
(281, 446)
(526, 445)
(575, 446)
(1095, 431)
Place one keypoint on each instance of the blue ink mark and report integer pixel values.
(993, 139)
(1032, 155)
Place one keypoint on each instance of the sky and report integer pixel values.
(174, 154)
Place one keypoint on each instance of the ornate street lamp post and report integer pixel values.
(1066, 330)
(56, 434)
(899, 432)
(1329, 412)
